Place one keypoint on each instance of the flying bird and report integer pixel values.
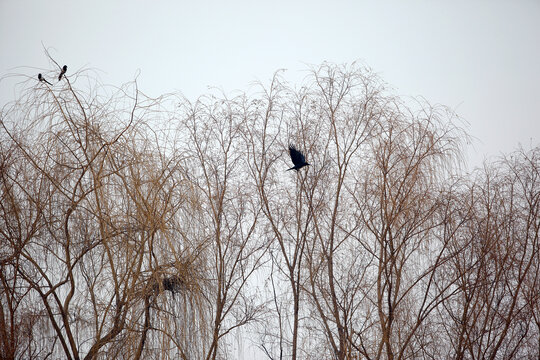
(64, 69)
(41, 78)
(297, 158)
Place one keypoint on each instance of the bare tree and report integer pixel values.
(229, 213)
(90, 203)
(284, 216)
(135, 228)
(494, 314)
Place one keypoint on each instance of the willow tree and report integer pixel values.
(91, 203)
(167, 228)
(496, 235)
(354, 235)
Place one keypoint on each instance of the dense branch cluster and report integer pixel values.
(137, 228)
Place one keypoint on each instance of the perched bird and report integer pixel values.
(64, 69)
(297, 158)
(41, 78)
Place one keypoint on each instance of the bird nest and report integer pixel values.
(172, 278)
(172, 283)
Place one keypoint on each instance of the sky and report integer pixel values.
(480, 58)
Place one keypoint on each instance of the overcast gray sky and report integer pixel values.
(481, 58)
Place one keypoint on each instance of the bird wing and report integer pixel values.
(296, 156)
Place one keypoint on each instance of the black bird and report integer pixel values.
(297, 158)
(41, 78)
(64, 69)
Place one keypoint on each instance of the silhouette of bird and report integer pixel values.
(297, 158)
(41, 78)
(64, 69)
